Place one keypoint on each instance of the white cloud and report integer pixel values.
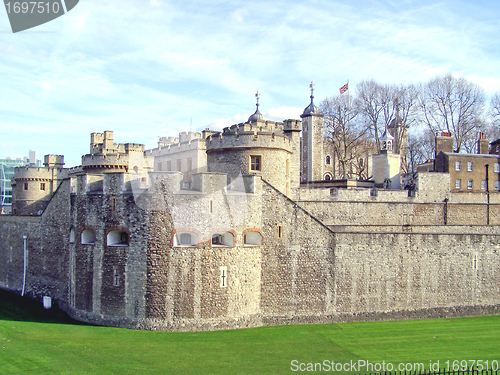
(120, 65)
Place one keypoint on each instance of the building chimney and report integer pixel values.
(483, 144)
(444, 143)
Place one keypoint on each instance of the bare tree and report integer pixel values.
(348, 135)
(453, 105)
(369, 104)
(420, 148)
(492, 129)
(494, 111)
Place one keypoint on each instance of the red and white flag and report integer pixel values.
(344, 88)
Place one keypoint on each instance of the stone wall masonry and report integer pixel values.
(237, 162)
(297, 260)
(184, 283)
(393, 272)
(48, 261)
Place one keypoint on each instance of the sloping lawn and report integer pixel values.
(36, 341)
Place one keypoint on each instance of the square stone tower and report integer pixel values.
(311, 155)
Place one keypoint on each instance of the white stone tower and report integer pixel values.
(311, 155)
(387, 165)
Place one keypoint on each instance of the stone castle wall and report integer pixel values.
(302, 271)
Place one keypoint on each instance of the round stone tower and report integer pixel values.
(259, 147)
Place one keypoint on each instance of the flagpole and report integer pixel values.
(348, 104)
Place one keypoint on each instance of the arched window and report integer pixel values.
(117, 238)
(327, 177)
(252, 238)
(72, 235)
(222, 239)
(328, 160)
(88, 237)
(185, 239)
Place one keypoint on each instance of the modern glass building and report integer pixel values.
(6, 173)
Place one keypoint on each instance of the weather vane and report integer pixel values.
(257, 96)
(311, 86)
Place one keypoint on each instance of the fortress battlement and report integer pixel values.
(39, 173)
(172, 145)
(245, 139)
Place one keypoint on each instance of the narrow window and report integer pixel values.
(458, 184)
(42, 186)
(279, 231)
(458, 166)
(169, 166)
(179, 165)
(496, 167)
(469, 166)
(469, 184)
(474, 262)
(116, 276)
(483, 184)
(211, 206)
(113, 204)
(255, 163)
(25, 186)
(223, 276)
(328, 160)
(160, 166)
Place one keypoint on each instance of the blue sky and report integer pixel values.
(147, 68)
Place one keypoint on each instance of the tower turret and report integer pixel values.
(312, 142)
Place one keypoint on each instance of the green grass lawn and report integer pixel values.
(34, 341)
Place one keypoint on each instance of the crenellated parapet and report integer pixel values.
(187, 141)
(39, 173)
(266, 134)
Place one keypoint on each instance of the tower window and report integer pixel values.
(117, 238)
(25, 186)
(256, 163)
(224, 239)
(42, 186)
(185, 239)
(252, 239)
(328, 160)
(88, 237)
